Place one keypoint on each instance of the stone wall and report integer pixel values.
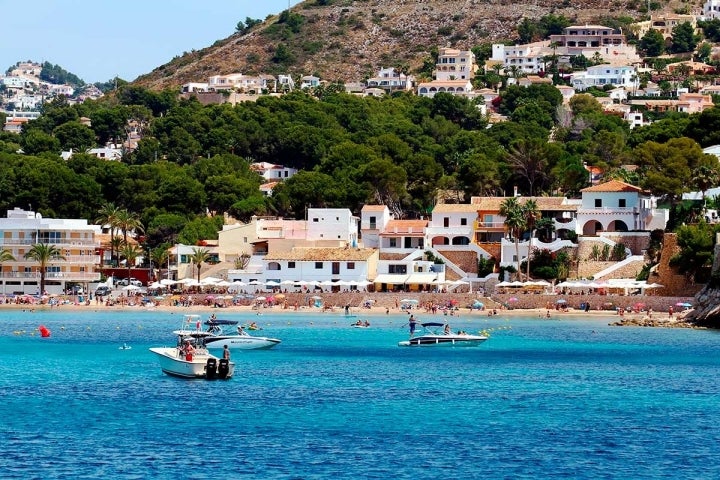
(673, 283)
(467, 260)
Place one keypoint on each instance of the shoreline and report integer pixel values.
(613, 318)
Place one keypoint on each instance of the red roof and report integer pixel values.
(613, 186)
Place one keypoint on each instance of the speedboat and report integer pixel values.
(220, 321)
(175, 362)
(240, 341)
(190, 358)
(215, 339)
(433, 336)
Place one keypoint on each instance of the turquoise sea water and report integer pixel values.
(570, 398)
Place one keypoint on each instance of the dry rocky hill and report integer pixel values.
(350, 40)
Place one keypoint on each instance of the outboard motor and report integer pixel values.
(211, 368)
(223, 368)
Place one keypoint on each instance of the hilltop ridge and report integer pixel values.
(350, 40)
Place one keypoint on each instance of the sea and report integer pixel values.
(567, 397)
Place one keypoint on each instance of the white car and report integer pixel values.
(130, 281)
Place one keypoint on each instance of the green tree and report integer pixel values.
(130, 252)
(652, 43)
(531, 214)
(107, 215)
(35, 141)
(74, 136)
(511, 209)
(683, 38)
(126, 221)
(198, 257)
(44, 254)
(696, 244)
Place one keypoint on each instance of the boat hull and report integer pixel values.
(173, 363)
(240, 342)
(444, 341)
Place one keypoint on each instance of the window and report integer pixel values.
(316, 220)
(463, 221)
(373, 222)
(622, 203)
(291, 264)
(350, 265)
(446, 222)
(318, 265)
(598, 202)
(393, 242)
(397, 269)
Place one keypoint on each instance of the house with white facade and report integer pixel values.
(607, 74)
(711, 9)
(529, 58)
(390, 80)
(309, 81)
(109, 152)
(273, 172)
(617, 206)
(75, 239)
(373, 219)
(284, 83)
(453, 74)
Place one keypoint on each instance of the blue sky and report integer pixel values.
(97, 40)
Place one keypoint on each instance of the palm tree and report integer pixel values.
(44, 253)
(704, 178)
(199, 256)
(159, 257)
(514, 223)
(5, 256)
(107, 215)
(531, 214)
(116, 243)
(130, 253)
(126, 221)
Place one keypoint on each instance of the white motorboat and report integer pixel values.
(176, 362)
(214, 339)
(432, 336)
(240, 341)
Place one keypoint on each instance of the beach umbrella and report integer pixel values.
(561, 300)
(260, 299)
(131, 287)
(316, 297)
(409, 300)
(683, 304)
(512, 299)
(288, 282)
(280, 296)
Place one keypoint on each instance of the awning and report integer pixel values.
(421, 278)
(390, 278)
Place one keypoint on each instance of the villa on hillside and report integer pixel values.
(453, 74)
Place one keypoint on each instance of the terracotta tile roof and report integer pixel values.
(455, 208)
(613, 186)
(323, 254)
(374, 208)
(405, 226)
(545, 204)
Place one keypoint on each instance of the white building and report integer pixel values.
(373, 219)
(331, 265)
(332, 224)
(390, 80)
(453, 74)
(616, 206)
(272, 172)
(711, 9)
(529, 58)
(600, 75)
(76, 240)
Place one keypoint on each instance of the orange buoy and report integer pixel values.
(44, 332)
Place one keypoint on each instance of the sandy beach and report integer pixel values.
(200, 305)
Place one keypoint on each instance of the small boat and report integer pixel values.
(432, 336)
(124, 346)
(190, 359)
(361, 324)
(220, 321)
(214, 339)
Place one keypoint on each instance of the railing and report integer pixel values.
(58, 241)
(67, 276)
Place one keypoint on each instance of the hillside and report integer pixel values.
(349, 40)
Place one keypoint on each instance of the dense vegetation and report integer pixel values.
(193, 161)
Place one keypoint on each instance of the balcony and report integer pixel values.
(8, 242)
(66, 276)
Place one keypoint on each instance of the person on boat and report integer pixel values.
(253, 326)
(226, 352)
(241, 330)
(213, 317)
(366, 324)
(447, 330)
(359, 323)
(412, 323)
(188, 350)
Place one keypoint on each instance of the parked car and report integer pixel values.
(102, 291)
(130, 281)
